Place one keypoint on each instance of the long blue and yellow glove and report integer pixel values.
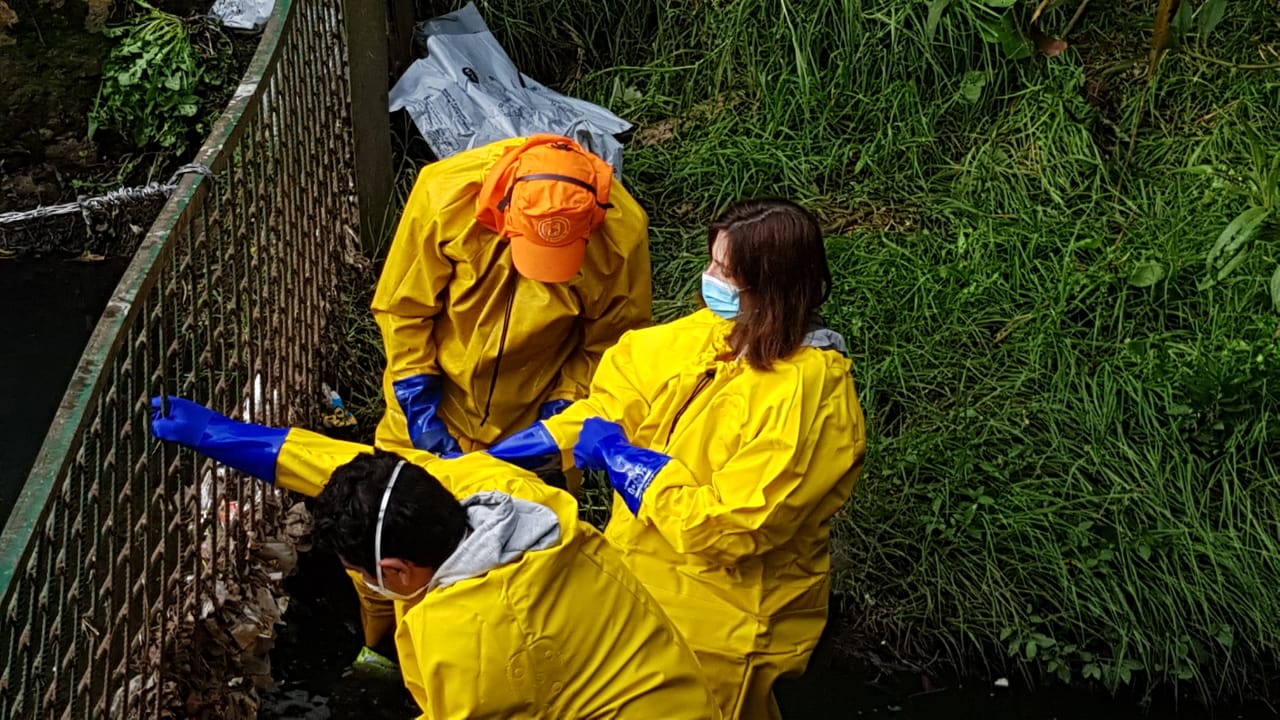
(532, 448)
(419, 397)
(251, 449)
(603, 445)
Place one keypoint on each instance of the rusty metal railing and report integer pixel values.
(121, 553)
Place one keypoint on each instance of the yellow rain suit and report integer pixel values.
(450, 303)
(565, 632)
(732, 535)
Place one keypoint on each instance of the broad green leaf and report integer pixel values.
(1238, 231)
(1210, 15)
(1146, 274)
(1011, 40)
(972, 84)
(1184, 19)
(989, 29)
(935, 15)
(1236, 261)
(1223, 634)
(1275, 289)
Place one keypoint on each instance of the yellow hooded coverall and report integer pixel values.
(732, 535)
(564, 632)
(450, 303)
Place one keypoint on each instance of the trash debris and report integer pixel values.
(467, 93)
(243, 14)
(1002, 682)
(338, 417)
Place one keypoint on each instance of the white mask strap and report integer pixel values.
(377, 533)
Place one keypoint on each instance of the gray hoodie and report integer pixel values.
(503, 528)
(824, 338)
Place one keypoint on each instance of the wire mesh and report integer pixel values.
(121, 550)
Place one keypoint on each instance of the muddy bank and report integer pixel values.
(49, 79)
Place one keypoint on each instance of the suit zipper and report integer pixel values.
(502, 346)
(702, 384)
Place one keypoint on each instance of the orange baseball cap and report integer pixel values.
(546, 197)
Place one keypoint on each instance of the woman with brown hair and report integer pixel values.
(731, 436)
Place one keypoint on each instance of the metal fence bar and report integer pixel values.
(121, 551)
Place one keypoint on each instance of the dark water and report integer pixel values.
(313, 654)
(323, 637)
(48, 308)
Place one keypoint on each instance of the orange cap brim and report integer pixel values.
(548, 263)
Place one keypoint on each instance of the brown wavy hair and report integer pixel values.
(777, 257)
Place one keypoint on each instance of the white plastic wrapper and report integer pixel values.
(467, 93)
(243, 14)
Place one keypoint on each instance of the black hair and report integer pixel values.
(424, 522)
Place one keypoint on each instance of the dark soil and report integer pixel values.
(49, 80)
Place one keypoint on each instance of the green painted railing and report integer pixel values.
(121, 552)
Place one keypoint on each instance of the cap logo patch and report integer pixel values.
(553, 229)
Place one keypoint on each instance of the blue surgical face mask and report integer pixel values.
(721, 297)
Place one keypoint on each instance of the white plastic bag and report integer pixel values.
(466, 93)
(243, 14)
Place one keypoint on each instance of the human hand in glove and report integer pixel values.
(251, 449)
(603, 445)
(419, 397)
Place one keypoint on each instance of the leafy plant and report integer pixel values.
(992, 18)
(1260, 184)
(151, 82)
(1072, 458)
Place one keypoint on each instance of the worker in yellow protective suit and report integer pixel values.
(731, 437)
(510, 605)
(514, 266)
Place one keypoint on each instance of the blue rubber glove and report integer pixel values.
(552, 408)
(419, 397)
(531, 448)
(603, 445)
(251, 449)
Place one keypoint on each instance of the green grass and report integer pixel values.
(1074, 441)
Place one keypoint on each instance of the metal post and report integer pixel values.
(366, 25)
(400, 36)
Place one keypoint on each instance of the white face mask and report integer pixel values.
(381, 588)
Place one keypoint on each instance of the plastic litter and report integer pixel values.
(467, 93)
(243, 14)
